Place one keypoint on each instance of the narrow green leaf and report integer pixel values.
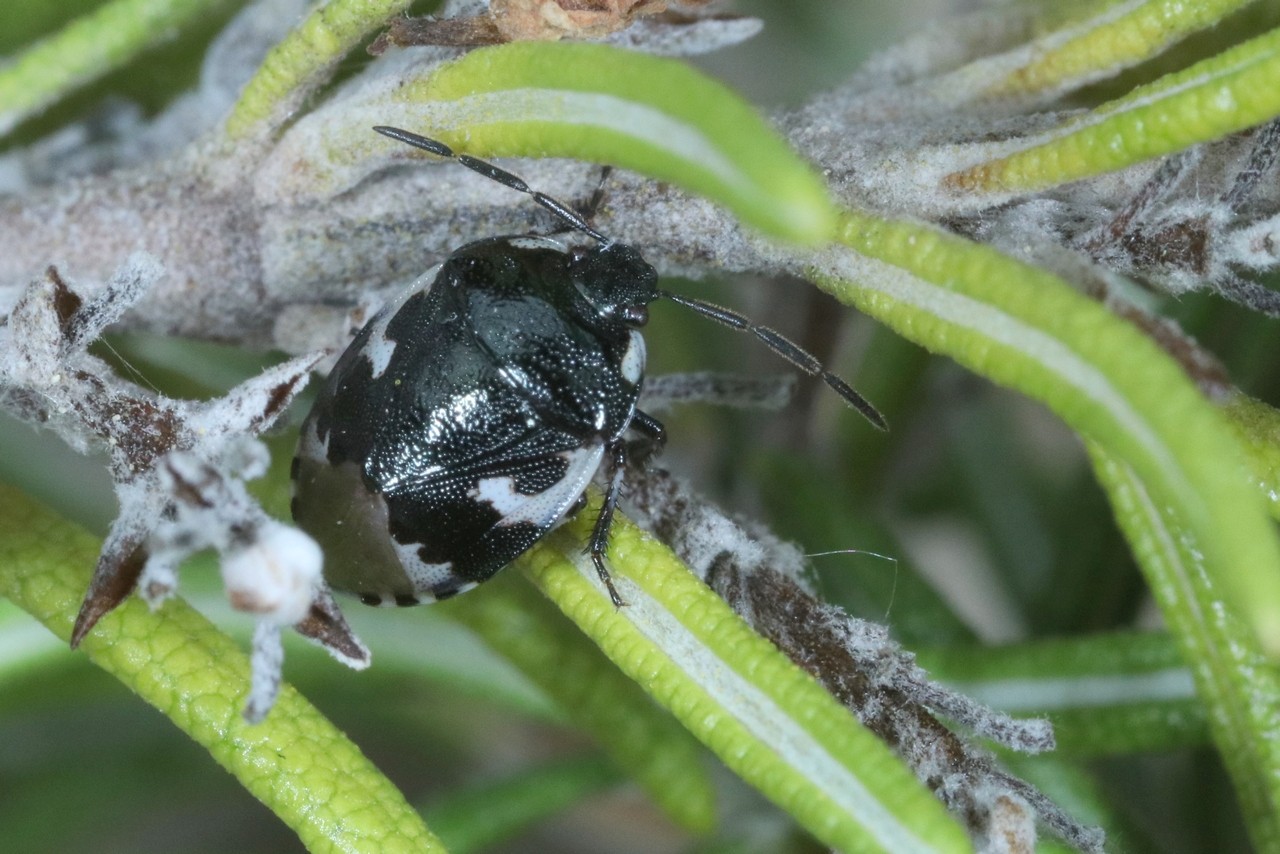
(1234, 90)
(764, 717)
(295, 761)
(640, 737)
(1024, 328)
(1258, 427)
(592, 102)
(1106, 694)
(88, 48)
(479, 818)
(306, 59)
(1240, 688)
(1114, 38)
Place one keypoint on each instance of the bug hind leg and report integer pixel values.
(622, 454)
(598, 545)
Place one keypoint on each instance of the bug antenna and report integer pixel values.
(787, 349)
(508, 179)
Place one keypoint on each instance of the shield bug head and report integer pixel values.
(467, 418)
(617, 281)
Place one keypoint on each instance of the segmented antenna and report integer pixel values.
(502, 176)
(784, 347)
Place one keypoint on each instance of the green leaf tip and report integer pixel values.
(1257, 425)
(656, 116)
(304, 60)
(1107, 39)
(87, 48)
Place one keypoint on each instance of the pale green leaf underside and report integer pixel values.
(1091, 672)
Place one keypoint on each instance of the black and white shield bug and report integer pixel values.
(466, 420)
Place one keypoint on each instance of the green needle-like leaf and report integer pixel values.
(477, 819)
(295, 761)
(1022, 327)
(1108, 693)
(1240, 687)
(305, 60)
(1220, 95)
(764, 717)
(1114, 38)
(590, 102)
(642, 739)
(88, 48)
(1258, 427)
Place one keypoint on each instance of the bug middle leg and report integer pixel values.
(652, 438)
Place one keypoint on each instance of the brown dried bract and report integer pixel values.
(548, 20)
(327, 626)
(448, 32)
(522, 20)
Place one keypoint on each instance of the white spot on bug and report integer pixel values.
(543, 509)
(501, 494)
(423, 576)
(535, 242)
(378, 348)
(632, 365)
(310, 446)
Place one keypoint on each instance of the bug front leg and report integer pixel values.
(599, 543)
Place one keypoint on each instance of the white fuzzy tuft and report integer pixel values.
(275, 576)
